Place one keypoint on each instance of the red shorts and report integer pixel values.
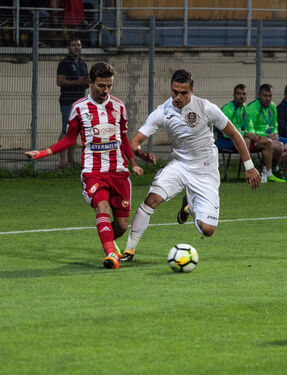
(112, 187)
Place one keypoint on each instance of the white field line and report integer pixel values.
(150, 225)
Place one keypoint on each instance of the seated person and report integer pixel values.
(238, 114)
(263, 114)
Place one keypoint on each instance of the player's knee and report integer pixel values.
(153, 200)
(206, 229)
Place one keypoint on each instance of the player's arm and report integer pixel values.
(136, 141)
(251, 173)
(129, 154)
(68, 141)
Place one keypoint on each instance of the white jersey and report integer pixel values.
(190, 129)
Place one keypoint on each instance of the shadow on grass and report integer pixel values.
(65, 270)
(274, 343)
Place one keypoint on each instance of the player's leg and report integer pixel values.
(278, 149)
(167, 184)
(265, 146)
(120, 225)
(139, 224)
(101, 205)
(186, 208)
(203, 197)
(183, 213)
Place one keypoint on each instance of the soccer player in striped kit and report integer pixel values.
(101, 120)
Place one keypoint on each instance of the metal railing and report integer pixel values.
(110, 27)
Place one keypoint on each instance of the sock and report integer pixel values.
(139, 225)
(105, 232)
(269, 172)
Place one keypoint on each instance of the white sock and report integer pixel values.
(269, 172)
(139, 225)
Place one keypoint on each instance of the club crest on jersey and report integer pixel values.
(116, 115)
(93, 189)
(89, 116)
(191, 119)
(125, 204)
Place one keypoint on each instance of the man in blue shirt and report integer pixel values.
(72, 78)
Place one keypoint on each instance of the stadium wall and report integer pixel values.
(215, 72)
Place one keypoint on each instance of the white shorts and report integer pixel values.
(202, 188)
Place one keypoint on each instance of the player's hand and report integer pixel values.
(137, 170)
(31, 154)
(35, 154)
(149, 157)
(253, 178)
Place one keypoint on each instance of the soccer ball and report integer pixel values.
(182, 258)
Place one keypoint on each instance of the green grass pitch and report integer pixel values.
(62, 313)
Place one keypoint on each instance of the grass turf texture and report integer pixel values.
(63, 313)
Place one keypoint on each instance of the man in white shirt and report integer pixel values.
(188, 121)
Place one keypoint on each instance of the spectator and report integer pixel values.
(238, 114)
(73, 12)
(282, 116)
(102, 121)
(72, 77)
(263, 113)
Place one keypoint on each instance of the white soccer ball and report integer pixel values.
(182, 258)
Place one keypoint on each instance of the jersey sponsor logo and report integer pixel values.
(191, 119)
(89, 116)
(104, 147)
(93, 189)
(103, 130)
(125, 203)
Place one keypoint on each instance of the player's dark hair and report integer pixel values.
(240, 86)
(182, 76)
(265, 87)
(101, 69)
(285, 91)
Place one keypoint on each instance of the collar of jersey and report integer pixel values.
(96, 103)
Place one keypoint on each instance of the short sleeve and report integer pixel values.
(215, 116)
(154, 122)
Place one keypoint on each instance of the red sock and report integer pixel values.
(106, 233)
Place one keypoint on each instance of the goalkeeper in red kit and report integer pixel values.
(101, 120)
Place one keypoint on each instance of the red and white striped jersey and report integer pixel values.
(102, 128)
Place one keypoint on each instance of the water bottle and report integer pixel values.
(264, 175)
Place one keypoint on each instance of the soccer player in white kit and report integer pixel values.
(188, 121)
